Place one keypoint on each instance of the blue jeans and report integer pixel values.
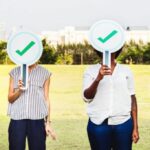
(33, 130)
(110, 137)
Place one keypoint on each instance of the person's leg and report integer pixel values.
(122, 136)
(99, 136)
(36, 135)
(17, 134)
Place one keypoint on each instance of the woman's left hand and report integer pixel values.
(49, 131)
(135, 135)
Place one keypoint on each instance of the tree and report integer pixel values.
(3, 52)
(133, 52)
(146, 55)
(48, 56)
(64, 59)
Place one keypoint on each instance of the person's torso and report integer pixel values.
(112, 99)
(31, 104)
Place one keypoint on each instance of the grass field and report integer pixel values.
(69, 111)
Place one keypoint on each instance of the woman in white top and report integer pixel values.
(112, 106)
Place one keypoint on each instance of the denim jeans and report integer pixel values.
(110, 137)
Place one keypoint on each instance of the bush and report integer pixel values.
(48, 56)
(64, 59)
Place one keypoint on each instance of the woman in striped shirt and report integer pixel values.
(29, 109)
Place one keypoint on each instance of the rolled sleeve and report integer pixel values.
(12, 73)
(47, 74)
(15, 75)
(130, 83)
(87, 81)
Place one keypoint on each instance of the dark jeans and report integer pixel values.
(110, 137)
(34, 130)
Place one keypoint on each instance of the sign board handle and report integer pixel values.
(107, 58)
(24, 75)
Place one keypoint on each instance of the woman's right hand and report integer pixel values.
(90, 92)
(104, 70)
(14, 94)
(20, 85)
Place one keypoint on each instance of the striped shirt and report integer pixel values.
(31, 104)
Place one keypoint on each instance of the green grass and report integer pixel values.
(69, 111)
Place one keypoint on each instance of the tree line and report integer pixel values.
(83, 53)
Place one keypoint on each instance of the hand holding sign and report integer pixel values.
(24, 48)
(107, 37)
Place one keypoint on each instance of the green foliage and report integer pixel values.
(146, 55)
(48, 56)
(3, 45)
(83, 53)
(2, 56)
(2, 51)
(135, 53)
(64, 59)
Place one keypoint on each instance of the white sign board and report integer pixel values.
(107, 37)
(24, 48)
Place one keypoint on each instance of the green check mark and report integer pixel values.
(22, 52)
(108, 37)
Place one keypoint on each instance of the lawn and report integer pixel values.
(69, 117)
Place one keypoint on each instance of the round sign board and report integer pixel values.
(24, 48)
(107, 35)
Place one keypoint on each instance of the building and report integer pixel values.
(70, 35)
(138, 35)
(2, 31)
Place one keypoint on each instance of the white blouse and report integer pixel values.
(113, 97)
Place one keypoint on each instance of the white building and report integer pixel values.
(138, 35)
(79, 35)
(2, 31)
(68, 35)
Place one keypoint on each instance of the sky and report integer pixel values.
(39, 15)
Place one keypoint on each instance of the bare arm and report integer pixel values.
(134, 114)
(13, 94)
(48, 128)
(46, 94)
(134, 111)
(90, 92)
